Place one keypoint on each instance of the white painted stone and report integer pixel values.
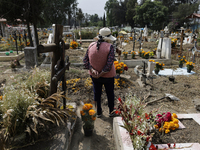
(151, 66)
(166, 48)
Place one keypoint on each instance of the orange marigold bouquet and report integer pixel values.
(73, 45)
(120, 67)
(88, 116)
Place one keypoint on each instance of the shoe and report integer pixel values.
(99, 115)
(113, 114)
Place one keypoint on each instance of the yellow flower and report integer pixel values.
(160, 64)
(1, 97)
(86, 107)
(163, 64)
(176, 125)
(174, 115)
(167, 131)
(175, 120)
(183, 56)
(179, 56)
(91, 112)
(156, 126)
(121, 71)
(157, 62)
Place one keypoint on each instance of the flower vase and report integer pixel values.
(88, 132)
(180, 65)
(156, 71)
(133, 56)
(189, 70)
(125, 56)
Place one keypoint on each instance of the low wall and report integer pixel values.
(10, 58)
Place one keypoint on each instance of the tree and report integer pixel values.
(182, 12)
(104, 20)
(152, 14)
(80, 15)
(109, 6)
(130, 13)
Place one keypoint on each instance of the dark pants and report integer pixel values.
(97, 88)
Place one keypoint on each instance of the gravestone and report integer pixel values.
(151, 67)
(30, 54)
(165, 45)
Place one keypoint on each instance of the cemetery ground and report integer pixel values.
(186, 88)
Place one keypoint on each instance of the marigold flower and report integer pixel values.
(156, 126)
(91, 112)
(167, 131)
(176, 125)
(174, 115)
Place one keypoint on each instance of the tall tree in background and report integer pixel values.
(80, 15)
(104, 20)
(131, 4)
(152, 14)
(110, 4)
(179, 16)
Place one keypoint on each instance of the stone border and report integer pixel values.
(10, 58)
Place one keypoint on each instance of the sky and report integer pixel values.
(92, 6)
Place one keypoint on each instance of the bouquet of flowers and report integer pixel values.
(158, 67)
(120, 67)
(73, 45)
(173, 42)
(125, 54)
(88, 116)
(190, 65)
(133, 53)
(166, 122)
(131, 38)
(137, 123)
(182, 60)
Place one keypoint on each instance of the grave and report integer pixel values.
(123, 141)
(164, 45)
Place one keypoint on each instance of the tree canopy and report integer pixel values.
(152, 14)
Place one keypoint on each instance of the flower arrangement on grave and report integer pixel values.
(120, 67)
(190, 66)
(182, 60)
(88, 116)
(126, 41)
(131, 38)
(146, 55)
(158, 67)
(125, 54)
(136, 121)
(142, 53)
(166, 122)
(151, 54)
(73, 45)
(133, 53)
(173, 42)
(151, 60)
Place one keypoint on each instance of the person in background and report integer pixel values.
(99, 60)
